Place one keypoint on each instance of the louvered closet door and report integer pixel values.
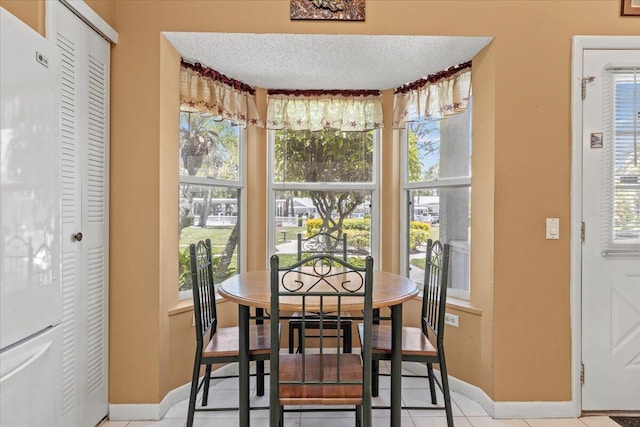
(85, 107)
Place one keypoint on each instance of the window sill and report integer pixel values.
(186, 305)
(452, 303)
(459, 305)
(462, 305)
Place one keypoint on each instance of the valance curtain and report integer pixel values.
(203, 89)
(433, 97)
(316, 110)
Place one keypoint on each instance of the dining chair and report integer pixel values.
(320, 243)
(213, 343)
(325, 376)
(418, 342)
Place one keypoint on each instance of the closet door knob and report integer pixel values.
(77, 237)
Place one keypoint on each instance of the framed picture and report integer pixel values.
(340, 10)
(630, 7)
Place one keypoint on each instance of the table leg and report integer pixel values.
(396, 365)
(243, 364)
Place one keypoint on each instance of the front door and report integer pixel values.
(611, 216)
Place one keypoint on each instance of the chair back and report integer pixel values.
(204, 298)
(322, 284)
(322, 243)
(434, 301)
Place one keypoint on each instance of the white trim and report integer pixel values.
(576, 221)
(92, 19)
(149, 411)
(497, 410)
(502, 410)
(563, 409)
(581, 43)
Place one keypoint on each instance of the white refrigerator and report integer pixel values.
(30, 290)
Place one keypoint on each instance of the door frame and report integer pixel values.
(580, 44)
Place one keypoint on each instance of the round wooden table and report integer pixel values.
(252, 289)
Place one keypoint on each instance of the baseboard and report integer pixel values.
(497, 410)
(501, 410)
(148, 411)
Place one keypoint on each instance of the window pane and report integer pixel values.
(440, 214)
(626, 221)
(335, 212)
(327, 155)
(209, 213)
(439, 149)
(208, 148)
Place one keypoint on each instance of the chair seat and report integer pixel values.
(226, 341)
(314, 366)
(414, 342)
(312, 320)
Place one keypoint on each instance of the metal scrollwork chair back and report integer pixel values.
(320, 243)
(325, 376)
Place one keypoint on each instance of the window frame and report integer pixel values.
(239, 185)
(373, 186)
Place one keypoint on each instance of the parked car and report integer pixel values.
(425, 218)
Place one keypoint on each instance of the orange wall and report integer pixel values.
(521, 167)
(31, 13)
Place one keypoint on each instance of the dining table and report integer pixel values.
(252, 289)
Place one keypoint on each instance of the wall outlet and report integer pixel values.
(451, 319)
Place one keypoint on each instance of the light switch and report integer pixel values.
(553, 228)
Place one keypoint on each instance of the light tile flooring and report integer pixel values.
(466, 412)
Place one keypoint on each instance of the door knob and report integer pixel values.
(77, 237)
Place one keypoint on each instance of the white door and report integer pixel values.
(611, 216)
(85, 60)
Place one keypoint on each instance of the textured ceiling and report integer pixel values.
(316, 61)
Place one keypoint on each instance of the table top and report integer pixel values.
(253, 289)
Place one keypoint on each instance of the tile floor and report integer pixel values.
(466, 412)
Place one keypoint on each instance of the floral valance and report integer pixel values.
(357, 110)
(433, 97)
(203, 89)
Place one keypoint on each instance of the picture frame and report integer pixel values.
(630, 7)
(338, 10)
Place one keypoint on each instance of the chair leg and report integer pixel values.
(260, 377)
(194, 392)
(300, 341)
(375, 377)
(358, 415)
(346, 339)
(281, 416)
(432, 385)
(445, 388)
(205, 392)
(291, 331)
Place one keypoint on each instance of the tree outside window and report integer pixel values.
(210, 189)
(323, 181)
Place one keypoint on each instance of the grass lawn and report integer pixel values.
(291, 233)
(218, 235)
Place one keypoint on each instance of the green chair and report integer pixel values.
(320, 243)
(215, 344)
(325, 376)
(417, 343)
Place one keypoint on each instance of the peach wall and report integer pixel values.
(31, 13)
(521, 167)
(525, 129)
(105, 8)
